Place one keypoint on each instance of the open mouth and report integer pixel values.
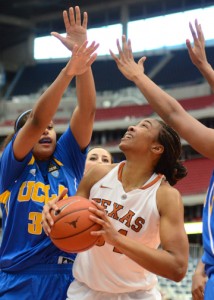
(45, 141)
(127, 136)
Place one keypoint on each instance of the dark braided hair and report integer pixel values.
(170, 164)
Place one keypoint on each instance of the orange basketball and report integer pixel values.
(72, 226)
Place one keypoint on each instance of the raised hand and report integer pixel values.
(197, 51)
(125, 61)
(76, 30)
(82, 58)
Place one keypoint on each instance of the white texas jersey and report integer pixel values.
(134, 214)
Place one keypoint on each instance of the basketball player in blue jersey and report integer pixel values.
(138, 209)
(35, 168)
(189, 128)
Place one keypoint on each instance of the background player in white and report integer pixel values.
(138, 210)
(35, 167)
(200, 137)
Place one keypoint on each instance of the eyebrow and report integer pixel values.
(93, 154)
(148, 122)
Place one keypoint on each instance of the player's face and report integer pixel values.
(97, 156)
(142, 136)
(46, 144)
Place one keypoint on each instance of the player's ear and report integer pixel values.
(157, 149)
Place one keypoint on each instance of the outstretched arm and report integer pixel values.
(198, 55)
(47, 105)
(163, 104)
(82, 119)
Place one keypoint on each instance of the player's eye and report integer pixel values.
(106, 160)
(92, 158)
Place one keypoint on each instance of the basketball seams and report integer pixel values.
(75, 234)
(68, 213)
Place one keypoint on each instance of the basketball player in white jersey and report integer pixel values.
(139, 210)
(200, 137)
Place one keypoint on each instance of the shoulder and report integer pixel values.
(168, 198)
(99, 171)
(91, 177)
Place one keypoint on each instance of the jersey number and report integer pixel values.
(35, 227)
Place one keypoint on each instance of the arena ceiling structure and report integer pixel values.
(21, 18)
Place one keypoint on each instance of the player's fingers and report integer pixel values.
(189, 47)
(192, 31)
(85, 20)
(78, 15)
(82, 48)
(119, 49)
(66, 20)
(114, 56)
(197, 294)
(91, 60)
(100, 207)
(47, 221)
(141, 60)
(71, 16)
(130, 48)
(91, 48)
(201, 35)
(62, 194)
(97, 220)
(58, 36)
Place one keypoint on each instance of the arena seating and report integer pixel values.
(197, 181)
(108, 77)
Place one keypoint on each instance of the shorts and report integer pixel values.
(80, 291)
(42, 282)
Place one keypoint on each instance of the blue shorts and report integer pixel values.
(42, 282)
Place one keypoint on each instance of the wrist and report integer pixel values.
(199, 274)
(68, 74)
(204, 67)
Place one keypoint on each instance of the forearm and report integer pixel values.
(200, 269)
(157, 261)
(48, 103)
(86, 92)
(208, 73)
(162, 103)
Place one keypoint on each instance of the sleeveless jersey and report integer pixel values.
(134, 214)
(24, 189)
(208, 229)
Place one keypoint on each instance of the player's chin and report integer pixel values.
(123, 144)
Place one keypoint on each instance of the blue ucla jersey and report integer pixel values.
(208, 229)
(24, 189)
